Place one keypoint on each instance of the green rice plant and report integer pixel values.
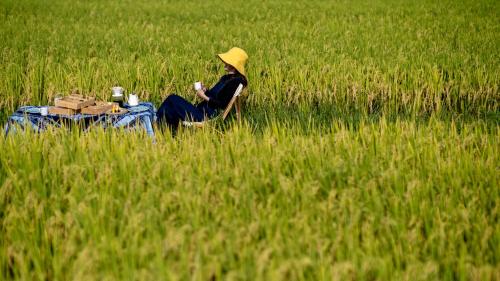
(384, 200)
(368, 150)
(411, 58)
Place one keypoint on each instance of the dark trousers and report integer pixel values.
(176, 109)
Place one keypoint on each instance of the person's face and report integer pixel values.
(229, 68)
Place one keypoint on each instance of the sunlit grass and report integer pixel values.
(368, 150)
(385, 201)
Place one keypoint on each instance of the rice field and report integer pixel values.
(369, 147)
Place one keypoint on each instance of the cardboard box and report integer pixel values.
(75, 102)
(100, 107)
(62, 111)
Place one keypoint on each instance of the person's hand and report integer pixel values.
(201, 94)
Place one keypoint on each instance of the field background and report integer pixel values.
(369, 148)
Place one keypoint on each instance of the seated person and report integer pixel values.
(176, 109)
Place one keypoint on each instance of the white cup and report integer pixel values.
(133, 100)
(117, 91)
(197, 86)
(44, 111)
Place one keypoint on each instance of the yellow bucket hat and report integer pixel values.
(235, 57)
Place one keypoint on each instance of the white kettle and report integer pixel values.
(133, 99)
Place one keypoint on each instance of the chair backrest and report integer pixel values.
(234, 100)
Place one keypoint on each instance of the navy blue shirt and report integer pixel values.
(222, 92)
